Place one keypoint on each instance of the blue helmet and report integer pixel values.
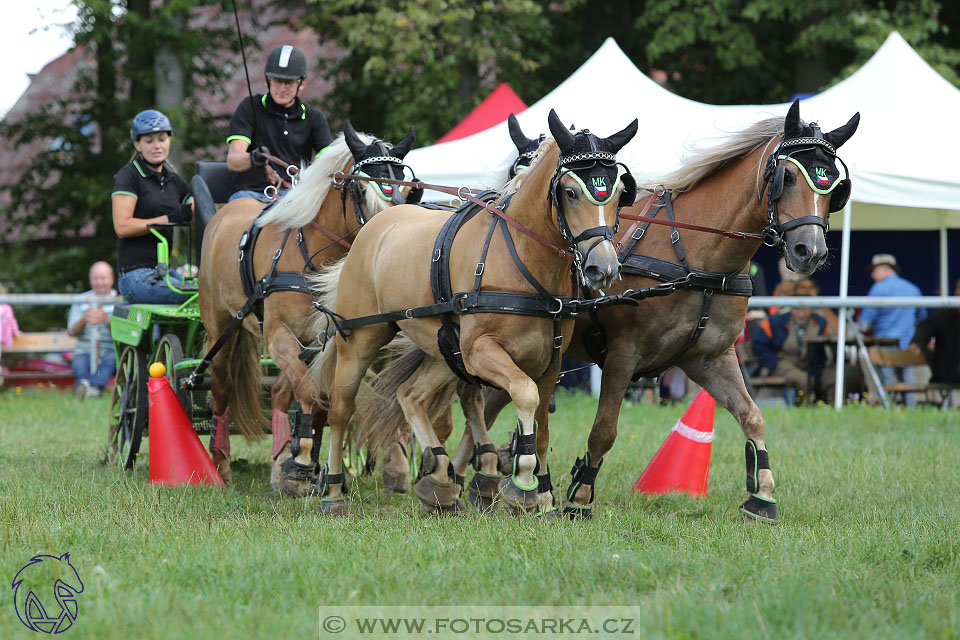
(149, 121)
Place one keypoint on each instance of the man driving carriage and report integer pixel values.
(276, 123)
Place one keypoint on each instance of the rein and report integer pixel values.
(642, 217)
(463, 193)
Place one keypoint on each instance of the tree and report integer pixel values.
(79, 142)
(424, 62)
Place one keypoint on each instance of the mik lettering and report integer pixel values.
(821, 172)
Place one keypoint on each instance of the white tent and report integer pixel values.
(904, 175)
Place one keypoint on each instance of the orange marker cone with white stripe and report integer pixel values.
(683, 462)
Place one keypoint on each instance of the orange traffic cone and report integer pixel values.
(176, 454)
(683, 462)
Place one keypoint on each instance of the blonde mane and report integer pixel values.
(699, 164)
(301, 204)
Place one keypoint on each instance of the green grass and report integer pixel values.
(867, 546)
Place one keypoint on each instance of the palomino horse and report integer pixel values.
(786, 195)
(320, 222)
(411, 259)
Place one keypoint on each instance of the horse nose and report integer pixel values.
(599, 277)
(802, 251)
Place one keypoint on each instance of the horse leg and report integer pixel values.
(494, 402)
(435, 487)
(354, 357)
(488, 360)
(723, 380)
(616, 376)
(221, 388)
(297, 472)
(281, 395)
(396, 464)
(475, 447)
(545, 387)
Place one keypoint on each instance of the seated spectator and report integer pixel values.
(783, 290)
(938, 338)
(809, 287)
(94, 361)
(780, 343)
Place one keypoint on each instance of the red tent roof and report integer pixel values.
(497, 106)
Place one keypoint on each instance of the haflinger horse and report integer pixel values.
(776, 180)
(309, 227)
(407, 262)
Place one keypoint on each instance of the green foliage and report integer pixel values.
(65, 192)
(423, 62)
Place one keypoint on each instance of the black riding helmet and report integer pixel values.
(286, 62)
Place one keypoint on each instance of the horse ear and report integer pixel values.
(516, 134)
(621, 138)
(403, 147)
(791, 124)
(354, 143)
(841, 134)
(563, 137)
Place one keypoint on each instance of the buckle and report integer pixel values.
(639, 233)
(703, 322)
(436, 256)
(674, 236)
(479, 271)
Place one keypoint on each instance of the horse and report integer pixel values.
(268, 291)
(784, 197)
(412, 259)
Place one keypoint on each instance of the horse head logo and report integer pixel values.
(39, 578)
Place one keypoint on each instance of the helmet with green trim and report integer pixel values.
(286, 62)
(149, 121)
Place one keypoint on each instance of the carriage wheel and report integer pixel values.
(129, 410)
(169, 352)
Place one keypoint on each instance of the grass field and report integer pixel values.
(868, 545)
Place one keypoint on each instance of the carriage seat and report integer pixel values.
(219, 179)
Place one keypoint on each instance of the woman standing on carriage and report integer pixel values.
(148, 190)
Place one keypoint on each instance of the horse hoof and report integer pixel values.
(455, 508)
(295, 479)
(223, 466)
(433, 495)
(395, 483)
(480, 504)
(504, 460)
(578, 512)
(515, 498)
(282, 457)
(334, 507)
(757, 509)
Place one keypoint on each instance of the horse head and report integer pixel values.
(588, 190)
(804, 185)
(380, 159)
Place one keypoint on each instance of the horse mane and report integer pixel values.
(514, 183)
(700, 164)
(300, 205)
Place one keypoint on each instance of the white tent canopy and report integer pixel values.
(900, 158)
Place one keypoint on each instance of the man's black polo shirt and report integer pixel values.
(295, 135)
(157, 194)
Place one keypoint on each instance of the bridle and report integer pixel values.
(773, 176)
(393, 167)
(584, 162)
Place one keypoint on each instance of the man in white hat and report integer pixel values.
(892, 322)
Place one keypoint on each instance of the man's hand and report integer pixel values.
(258, 156)
(915, 349)
(95, 315)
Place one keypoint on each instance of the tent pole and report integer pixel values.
(842, 328)
(944, 267)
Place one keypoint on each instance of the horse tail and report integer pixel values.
(246, 409)
(324, 365)
(379, 415)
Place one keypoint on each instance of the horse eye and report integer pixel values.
(788, 177)
(570, 193)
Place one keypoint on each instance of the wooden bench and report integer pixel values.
(880, 357)
(748, 358)
(20, 369)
